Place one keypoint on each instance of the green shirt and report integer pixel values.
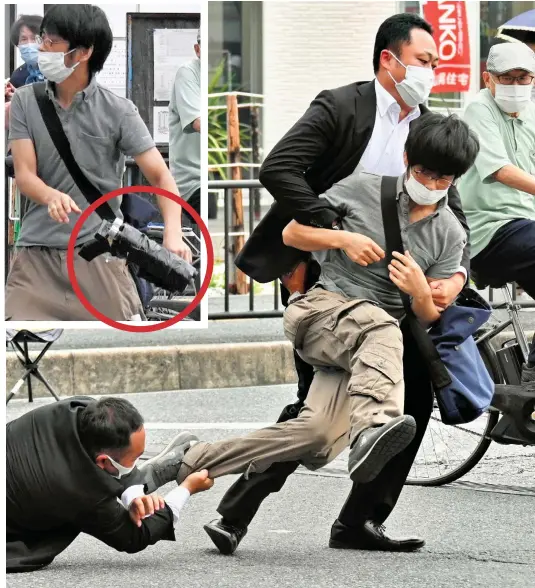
(184, 141)
(487, 203)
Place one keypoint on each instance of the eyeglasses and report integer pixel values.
(426, 175)
(507, 80)
(47, 42)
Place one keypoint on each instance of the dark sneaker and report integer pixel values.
(376, 446)
(163, 468)
(528, 374)
(226, 537)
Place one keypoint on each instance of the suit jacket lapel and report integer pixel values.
(365, 108)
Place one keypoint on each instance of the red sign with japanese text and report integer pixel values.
(450, 26)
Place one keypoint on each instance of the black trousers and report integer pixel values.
(29, 550)
(510, 257)
(372, 501)
(195, 202)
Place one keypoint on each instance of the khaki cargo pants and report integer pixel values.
(38, 287)
(358, 351)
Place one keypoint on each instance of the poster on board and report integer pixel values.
(113, 75)
(161, 124)
(172, 48)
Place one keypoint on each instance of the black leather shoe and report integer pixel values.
(371, 537)
(226, 537)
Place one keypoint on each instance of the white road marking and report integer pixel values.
(223, 426)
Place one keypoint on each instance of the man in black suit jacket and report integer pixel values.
(366, 124)
(67, 464)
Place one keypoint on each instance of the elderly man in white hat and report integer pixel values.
(498, 193)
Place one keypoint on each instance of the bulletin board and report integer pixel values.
(113, 75)
(156, 46)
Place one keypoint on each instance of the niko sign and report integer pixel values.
(450, 26)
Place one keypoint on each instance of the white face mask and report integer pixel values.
(416, 86)
(123, 471)
(533, 93)
(422, 195)
(52, 66)
(513, 98)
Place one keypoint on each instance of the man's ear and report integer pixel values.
(385, 59)
(487, 79)
(405, 160)
(84, 54)
(101, 461)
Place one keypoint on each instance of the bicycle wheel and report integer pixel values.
(449, 452)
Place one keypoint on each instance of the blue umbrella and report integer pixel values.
(517, 28)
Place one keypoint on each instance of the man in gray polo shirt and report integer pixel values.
(185, 129)
(102, 128)
(347, 325)
(498, 193)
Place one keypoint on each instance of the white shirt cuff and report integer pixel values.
(462, 270)
(176, 500)
(131, 493)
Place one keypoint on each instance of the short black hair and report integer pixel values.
(107, 425)
(441, 144)
(32, 21)
(395, 31)
(81, 25)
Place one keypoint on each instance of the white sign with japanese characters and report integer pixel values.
(113, 75)
(172, 48)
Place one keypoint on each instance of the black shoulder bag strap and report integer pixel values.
(61, 142)
(389, 210)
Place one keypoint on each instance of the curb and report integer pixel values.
(126, 370)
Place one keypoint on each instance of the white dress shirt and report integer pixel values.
(176, 499)
(384, 154)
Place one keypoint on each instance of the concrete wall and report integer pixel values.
(312, 46)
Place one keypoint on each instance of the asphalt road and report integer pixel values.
(229, 331)
(479, 532)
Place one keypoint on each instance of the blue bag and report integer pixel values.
(463, 387)
(471, 389)
(137, 211)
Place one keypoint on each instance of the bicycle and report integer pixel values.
(163, 304)
(509, 420)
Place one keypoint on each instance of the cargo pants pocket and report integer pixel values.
(374, 375)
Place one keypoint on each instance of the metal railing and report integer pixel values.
(226, 186)
(133, 176)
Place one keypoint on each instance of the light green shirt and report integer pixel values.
(184, 141)
(504, 140)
